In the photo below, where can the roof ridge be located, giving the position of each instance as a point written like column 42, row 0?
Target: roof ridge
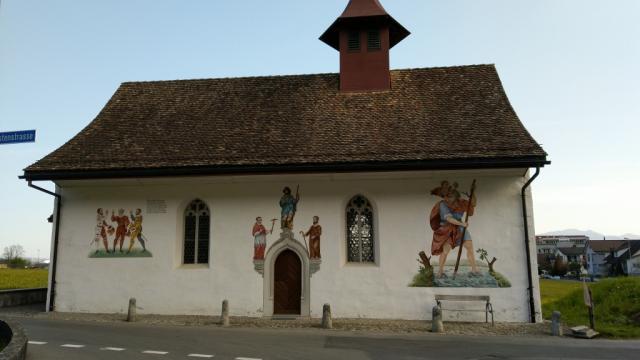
column 258, row 77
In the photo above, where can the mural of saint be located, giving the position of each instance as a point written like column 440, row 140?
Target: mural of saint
column 314, row 233
column 288, row 204
column 259, row 233
column 449, row 219
column 448, row 226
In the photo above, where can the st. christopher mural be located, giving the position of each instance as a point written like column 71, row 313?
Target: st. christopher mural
column 450, row 222
column 111, row 232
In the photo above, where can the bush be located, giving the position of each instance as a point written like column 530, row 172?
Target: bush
column 18, row 263
column 424, row 278
column 503, row 282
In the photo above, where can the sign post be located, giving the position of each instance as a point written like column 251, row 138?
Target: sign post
column 15, row 137
column 588, row 300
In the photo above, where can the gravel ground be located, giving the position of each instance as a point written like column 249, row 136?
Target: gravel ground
column 364, row 325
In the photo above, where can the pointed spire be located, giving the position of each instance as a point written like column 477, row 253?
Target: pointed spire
column 360, row 8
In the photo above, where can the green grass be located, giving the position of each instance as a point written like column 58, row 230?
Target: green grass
column 135, row 253
column 617, row 303
column 23, row 278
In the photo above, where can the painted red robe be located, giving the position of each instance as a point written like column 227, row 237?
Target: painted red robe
column 447, row 232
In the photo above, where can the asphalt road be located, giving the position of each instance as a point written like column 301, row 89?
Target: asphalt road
column 67, row 340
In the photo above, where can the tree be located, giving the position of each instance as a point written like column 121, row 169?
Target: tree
column 574, row 268
column 13, row 252
column 559, row 267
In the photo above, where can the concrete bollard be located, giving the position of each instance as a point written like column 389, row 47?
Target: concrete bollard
column 556, row 324
column 327, row 323
column 436, row 320
column 131, row 315
column 224, row 317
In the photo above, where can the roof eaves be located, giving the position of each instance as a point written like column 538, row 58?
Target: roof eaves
column 449, row 164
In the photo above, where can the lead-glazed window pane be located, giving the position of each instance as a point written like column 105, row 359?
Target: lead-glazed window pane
column 196, row 233
column 360, row 231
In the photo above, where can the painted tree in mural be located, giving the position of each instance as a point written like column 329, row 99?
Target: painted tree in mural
column 484, row 255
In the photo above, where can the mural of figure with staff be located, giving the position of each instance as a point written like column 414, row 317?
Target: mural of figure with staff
column 288, row 204
column 449, row 228
column 259, row 233
column 314, row 233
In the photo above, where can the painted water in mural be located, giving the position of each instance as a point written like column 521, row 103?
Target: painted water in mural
column 450, row 222
column 111, row 232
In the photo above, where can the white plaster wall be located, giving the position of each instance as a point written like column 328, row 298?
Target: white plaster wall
column 162, row 285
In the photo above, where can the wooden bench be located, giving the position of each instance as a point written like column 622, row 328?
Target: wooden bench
column 488, row 308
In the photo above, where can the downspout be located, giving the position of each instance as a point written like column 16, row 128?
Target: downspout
column 532, row 306
column 54, row 261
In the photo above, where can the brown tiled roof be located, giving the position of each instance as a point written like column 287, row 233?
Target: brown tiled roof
column 455, row 117
column 605, row 245
column 572, row 251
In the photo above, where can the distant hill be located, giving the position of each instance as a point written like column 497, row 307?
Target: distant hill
column 593, row 235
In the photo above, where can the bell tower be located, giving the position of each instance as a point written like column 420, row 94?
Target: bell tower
column 363, row 35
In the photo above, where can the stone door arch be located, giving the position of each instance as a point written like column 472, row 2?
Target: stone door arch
column 287, row 246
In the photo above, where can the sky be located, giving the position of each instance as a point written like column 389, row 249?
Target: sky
column 570, row 69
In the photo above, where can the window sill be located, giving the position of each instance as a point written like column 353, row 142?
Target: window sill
column 193, row 266
column 361, row 264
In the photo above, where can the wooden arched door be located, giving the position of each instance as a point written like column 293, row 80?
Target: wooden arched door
column 287, row 284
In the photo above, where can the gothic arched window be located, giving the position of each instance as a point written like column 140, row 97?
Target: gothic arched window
column 196, row 233
column 360, row 240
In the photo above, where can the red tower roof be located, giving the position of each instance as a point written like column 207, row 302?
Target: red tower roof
column 364, row 11
column 358, row 8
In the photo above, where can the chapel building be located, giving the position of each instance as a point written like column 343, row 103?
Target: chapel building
column 283, row 193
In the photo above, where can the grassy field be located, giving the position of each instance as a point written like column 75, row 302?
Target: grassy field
column 23, row 278
column 617, row 304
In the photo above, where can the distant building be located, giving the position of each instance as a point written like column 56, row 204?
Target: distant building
column 624, row 260
column 595, row 253
column 571, row 254
column 549, row 244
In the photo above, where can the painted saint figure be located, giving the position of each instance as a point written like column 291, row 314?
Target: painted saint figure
column 314, row 238
column 135, row 230
column 447, row 224
column 259, row 233
column 101, row 230
column 121, row 231
column 289, row 205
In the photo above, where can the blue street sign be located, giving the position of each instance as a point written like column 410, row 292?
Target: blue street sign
column 14, row 137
